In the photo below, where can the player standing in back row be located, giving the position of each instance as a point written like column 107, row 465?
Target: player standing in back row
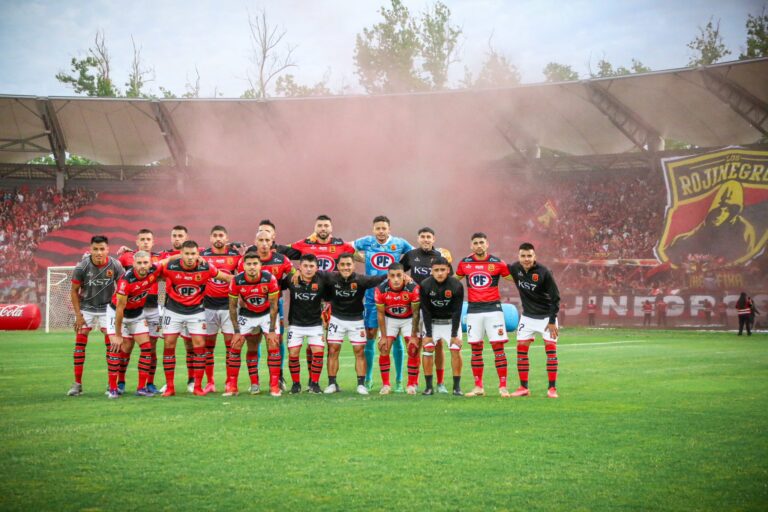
column 541, row 303
column 484, row 314
column 379, row 252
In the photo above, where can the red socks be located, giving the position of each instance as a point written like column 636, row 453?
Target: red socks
column 501, row 363
column 551, row 350
column 477, row 363
column 252, row 361
column 384, row 364
column 81, row 340
column 317, row 366
column 523, row 364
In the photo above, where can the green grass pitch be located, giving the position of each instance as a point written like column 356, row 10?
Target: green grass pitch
column 647, row 420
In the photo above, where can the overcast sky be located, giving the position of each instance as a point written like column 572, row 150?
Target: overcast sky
column 39, row 38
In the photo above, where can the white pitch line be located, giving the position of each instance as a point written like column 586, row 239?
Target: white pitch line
column 603, row 343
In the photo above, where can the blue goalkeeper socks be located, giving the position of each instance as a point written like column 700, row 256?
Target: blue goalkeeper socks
column 370, row 352
column 398, row 351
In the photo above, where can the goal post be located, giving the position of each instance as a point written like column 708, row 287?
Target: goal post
column 58, row 306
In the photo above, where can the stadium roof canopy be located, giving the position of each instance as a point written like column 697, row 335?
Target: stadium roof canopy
column 716, row 105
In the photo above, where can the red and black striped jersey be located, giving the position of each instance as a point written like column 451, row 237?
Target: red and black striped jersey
column 397, row 303
column 184, row 287
column 276, row 264
column 136, row 289
column 126, row 260
column 482, row 282
column 217, row 291
column 254, row 294
column 327, row 253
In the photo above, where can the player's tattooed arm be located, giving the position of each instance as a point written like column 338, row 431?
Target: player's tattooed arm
column 415, row 307
column 116, row 340
column 273, row 310
column 224, row 276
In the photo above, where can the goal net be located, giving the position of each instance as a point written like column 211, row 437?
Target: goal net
column 58, row 305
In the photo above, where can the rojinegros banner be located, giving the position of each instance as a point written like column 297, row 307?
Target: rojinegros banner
column 717, row 205
column 631, row 306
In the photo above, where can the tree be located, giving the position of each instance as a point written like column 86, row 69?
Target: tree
column 92, row 74
column 605, row 69
column 268, row 58
column 438, row 43
column 757, row 36
column 556, row 72
column 138, row 75
column 287, row 86
column 497, row 71
column 708, row 46
column 385, row 54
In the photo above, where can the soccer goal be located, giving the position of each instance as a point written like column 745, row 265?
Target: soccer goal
column 58, row 306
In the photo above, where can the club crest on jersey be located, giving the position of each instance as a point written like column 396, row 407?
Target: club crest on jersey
column 393, row 247
column 406, row 296
column 314, row 287
column 491, row 267
column 382, row 260
column 535, row 277
column 448, row 294
column 230, row 261
column 264, row 289
column 198, row 277
column 353, row 286
column 151, row 278
column 501, row 332
column 480, row 279
column 110, row 273
column 333, row 249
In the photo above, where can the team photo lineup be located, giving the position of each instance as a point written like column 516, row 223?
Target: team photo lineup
column 407, row 305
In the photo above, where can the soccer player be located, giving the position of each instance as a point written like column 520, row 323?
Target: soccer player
column 258, row 291
column 541, row 302
column 647, row 313
column 441, row 301
column 93, row 283
column 397, row 308
column 305, row 320
column 327, row 249
column 419, row 262
column 185, row 281
column 379, row 252
column 591, row 311
column 346, row 293
column 179, row 235
column 278, row 265
column 484, row 315
column 127, row 322
column 145, row 241
column 216, row 300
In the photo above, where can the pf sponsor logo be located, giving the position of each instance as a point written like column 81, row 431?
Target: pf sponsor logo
column 480, row 280
column 325, row 263
column 188, row 290
column 382, row 260
column 397, row 310
column 255, row 300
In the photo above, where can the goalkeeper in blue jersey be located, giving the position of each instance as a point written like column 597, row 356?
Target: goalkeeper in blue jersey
column 379, row 251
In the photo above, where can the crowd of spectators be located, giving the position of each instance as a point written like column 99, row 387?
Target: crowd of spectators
column 26, row 216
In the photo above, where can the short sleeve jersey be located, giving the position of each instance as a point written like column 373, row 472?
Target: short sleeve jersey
column 136, row 289
column 217, row 290
column 184, row 287
column 379, row 256
column 254, row 294
column 97, row 284
column 482, row 282
column 276, row 264
column 126, row 260
column 397, row 303
column 327, row 253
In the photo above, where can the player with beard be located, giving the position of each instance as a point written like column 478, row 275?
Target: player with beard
column 379, row 251
column 419, row 263
column 541, row 303
column 216, row 301
column 93, row 284
column 186, row 280
column 485, row 317
column 145, row 241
